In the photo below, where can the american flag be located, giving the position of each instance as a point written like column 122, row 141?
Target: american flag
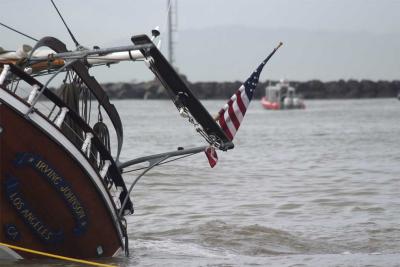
column 211, row 156
column 231, row 115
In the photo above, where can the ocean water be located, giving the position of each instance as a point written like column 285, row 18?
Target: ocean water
column 314, row 187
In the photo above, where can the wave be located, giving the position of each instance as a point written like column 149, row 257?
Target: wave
column 250, row 240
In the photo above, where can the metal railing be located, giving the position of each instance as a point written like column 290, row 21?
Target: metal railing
column 102, row 160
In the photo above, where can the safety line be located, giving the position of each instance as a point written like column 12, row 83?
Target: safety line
column 55, row 256
column 14, row 30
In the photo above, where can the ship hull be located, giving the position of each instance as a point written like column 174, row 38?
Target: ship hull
column 270, row 104
column 278, row 106
column 51, row 198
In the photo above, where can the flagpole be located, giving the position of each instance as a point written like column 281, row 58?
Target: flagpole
column 216, row 117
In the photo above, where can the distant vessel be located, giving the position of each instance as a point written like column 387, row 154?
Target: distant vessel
column 281, row 96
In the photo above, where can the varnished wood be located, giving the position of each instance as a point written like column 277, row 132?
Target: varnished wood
column 20, row 135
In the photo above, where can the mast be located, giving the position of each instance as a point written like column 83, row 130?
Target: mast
column 172, row 9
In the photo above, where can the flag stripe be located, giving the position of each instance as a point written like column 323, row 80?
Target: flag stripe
column 245, row 99
column 233, row 118
column 240, row 103
column 211, row 156
column 229, row 124
column 225, row 127
column 238, row 112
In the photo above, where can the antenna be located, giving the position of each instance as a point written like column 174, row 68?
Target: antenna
column 65, row 24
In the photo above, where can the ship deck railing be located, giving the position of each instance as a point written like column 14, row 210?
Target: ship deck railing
column 55, row 111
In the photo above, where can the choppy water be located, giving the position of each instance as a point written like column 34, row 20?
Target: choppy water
column 314, row 187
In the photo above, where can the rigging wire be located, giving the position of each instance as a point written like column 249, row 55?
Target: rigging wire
column 65, row 24
column 14, row 30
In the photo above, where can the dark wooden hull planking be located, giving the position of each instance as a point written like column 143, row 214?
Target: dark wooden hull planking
column 48, row 201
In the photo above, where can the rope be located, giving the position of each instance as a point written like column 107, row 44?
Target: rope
column 86, row 103
column 55, row 256
column 70, row 95
column 101, row 131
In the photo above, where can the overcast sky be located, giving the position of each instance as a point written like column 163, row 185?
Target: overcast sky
column 324, row 23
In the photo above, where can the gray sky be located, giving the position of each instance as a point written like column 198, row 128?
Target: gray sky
column 226, row 39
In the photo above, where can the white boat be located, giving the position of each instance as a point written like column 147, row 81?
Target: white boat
column 281, row 96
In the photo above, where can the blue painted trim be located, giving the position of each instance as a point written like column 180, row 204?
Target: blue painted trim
column 28, row 214
column 61, row 185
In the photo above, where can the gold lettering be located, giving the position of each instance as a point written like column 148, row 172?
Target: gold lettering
column 35, row 226
column 40, row 228
column 47, row 170
column 73, row 201
column 12, row 231
column 17, row 202
column 38, row 164
column 68, row 194
column 41, row 166
column 54, row 178
column 48, row 236
column 81, row 214
column 32, row 220
column 64, row 188
column 43, row 233
column 76, row 206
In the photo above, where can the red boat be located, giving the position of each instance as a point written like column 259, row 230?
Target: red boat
column 270, row 104
column 281, row 96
